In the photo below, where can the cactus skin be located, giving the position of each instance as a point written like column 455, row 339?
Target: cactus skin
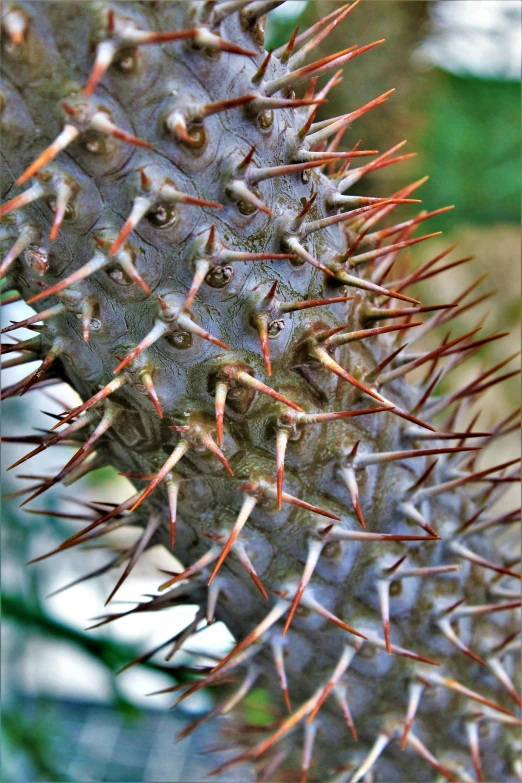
column 141, row 135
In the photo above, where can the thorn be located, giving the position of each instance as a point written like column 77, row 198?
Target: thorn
column 423, row 751
column 344, row 121
column 448, row 485
column 180, row 450
column 378, row 747
column 344, row 662
column 348, row 474
column 290, row 46
column 281, row 443
column 447, row 682
column 467, row 554
column 260, row 174
column 341, row 339
column 310, row 733
column 15, row 23
column 275, row 614
column 245, row 163
column 380, row 162
column 317, row 225
column 340, row 694
column 377, row 313
column 202, row 562
column 502, row 676
column 139, row 209
column 202, row 38
column 146, row 379
column 358, row 535
column 290, row 307
column 317, row 68
column 27, row 236
column 415, row 692
column 150, row 528
column 44, row 366
column 277, row 651
column 248, row 506
column 262, row 328
column 312, row 30
column 295, row 246
column 158, row 330
column 379, row 458
column 371, row 254
column 444, row 624
column 105, row 53
column 367, row 285
column 315, row 548
column 301, row 503
column 238, row 190
column 208, row 109
column 244, row 378
column 173, row 485
column 257, row 77
column 473, row 738
column 312, row 45
column 32, row 194
column 101, row 123
column 64, row 138
column 406, row 368
column 241, row 553
column 383, row 588
column 70, row 430
column 326, row 360
column 221, row 396
column 111, row 387
column 212, row 599
column 97, row 262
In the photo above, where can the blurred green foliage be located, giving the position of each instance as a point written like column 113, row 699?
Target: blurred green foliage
column 471, row 141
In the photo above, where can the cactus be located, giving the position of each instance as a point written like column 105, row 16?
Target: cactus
column 205, row 279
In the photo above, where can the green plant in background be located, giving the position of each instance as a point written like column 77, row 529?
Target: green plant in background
column 234, row 315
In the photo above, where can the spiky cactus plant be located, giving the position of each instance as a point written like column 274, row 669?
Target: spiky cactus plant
column 208, row 280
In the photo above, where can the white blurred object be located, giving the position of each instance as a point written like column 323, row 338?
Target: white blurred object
column 478, row 37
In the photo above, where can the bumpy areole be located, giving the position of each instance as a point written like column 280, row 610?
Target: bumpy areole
column 222, row 306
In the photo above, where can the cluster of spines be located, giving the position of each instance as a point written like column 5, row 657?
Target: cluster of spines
column 155, row 194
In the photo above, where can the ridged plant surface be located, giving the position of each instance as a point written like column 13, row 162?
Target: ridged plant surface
column 212, row 286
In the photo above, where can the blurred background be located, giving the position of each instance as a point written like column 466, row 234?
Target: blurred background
column 455, row 66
